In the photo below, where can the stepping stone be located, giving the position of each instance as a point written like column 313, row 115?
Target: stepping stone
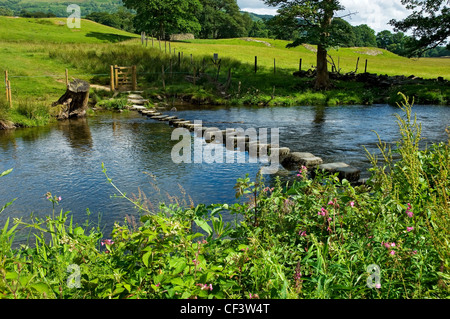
column 192, row 127
column 346, row 171
column 135, row 97
column 295, row 160
column 138, row 102
column 145, row 112
column 171, row 121
column 138, row 107
column 153, row 114
column 282, row 152
column 168, row 118
column 211, row 134
column 180, row 123
column 158, row 117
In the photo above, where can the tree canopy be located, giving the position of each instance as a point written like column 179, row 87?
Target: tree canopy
column 164, row 17
column 429, row 23
column 313, row 20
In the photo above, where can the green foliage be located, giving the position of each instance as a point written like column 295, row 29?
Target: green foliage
column 311, row 238
column 163, row 18
column 429, row 24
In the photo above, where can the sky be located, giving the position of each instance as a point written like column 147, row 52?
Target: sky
column 375, row 13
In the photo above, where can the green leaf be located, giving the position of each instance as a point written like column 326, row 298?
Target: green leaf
column 177, row 281
column 203, row 225
column 41, row 287
column 146, row 257
column 6, row 172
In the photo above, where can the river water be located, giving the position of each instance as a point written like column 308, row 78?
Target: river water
column 66, row 158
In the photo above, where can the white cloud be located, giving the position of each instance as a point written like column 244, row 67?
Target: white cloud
column 374, row 13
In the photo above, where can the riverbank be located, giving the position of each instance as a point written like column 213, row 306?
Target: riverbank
column 37, row 52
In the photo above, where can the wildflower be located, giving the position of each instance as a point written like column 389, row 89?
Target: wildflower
column 352, row 203
column 107, row 242
column 409, row 213
column 392, row 252
column 378, row 286
column 409, row 228
column 210, row 287
column 392, row 244
column 330, row 203
column 158, row 284
column 323, row 212
column 302, row 233
column 414, row 252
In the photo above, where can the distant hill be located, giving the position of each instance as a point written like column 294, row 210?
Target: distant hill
column 59, row 7
column 258, row 17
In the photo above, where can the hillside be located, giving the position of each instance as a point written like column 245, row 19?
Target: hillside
column 36, row 53
column 58, row 7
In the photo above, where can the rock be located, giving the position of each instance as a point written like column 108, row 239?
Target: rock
column 283, row 152
column 346, row 171
column 6, row 125
column 174, row 109
column 295, row 160
column 135, row 97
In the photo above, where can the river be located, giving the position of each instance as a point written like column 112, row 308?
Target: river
column 66, row 158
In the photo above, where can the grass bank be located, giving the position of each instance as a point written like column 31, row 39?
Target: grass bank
column 318, row 238
column 36, row 53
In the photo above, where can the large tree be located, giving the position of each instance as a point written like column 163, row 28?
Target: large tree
column 164, row 17
column 222, row 19
column 429, row 23
column 313, row 18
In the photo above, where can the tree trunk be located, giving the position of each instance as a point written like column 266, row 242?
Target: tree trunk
column 322, row 78
column 75, row 100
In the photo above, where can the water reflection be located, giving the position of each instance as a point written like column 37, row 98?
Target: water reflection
column 77, row 133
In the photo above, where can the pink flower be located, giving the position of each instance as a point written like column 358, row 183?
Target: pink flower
column 210, row 287
column 409, row 228
column 409, row 213
column 392, row 244
column 392, row 252
column 414, row 252
column 59, row 198
column 107, row 242
column 330, row 203
column 378, row 286
column 302, row 233
column 352, row 204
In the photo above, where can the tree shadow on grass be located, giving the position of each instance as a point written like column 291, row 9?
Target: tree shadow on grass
column 110, row 37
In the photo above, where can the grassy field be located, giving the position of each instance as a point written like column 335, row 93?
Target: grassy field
column 36, row 53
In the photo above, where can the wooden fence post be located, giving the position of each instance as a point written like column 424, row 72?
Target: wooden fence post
column 112, row 79
column 134, row 78
column 116, row 77
column 365, row 68
column 9, row 94
column 6, row 85
column 300, row 65
column 357, row 62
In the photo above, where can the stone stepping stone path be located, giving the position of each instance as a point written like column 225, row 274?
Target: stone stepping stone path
column 289, row 160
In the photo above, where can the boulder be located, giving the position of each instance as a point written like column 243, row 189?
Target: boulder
column 295, row 160
column 344, row 170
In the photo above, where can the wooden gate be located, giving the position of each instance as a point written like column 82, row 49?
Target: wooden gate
column 123, row 78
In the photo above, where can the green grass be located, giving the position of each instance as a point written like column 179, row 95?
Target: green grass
column 36, row 53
